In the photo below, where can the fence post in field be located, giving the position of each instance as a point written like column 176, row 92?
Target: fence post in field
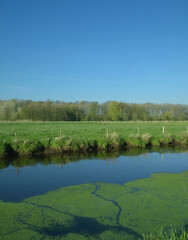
column 138, row 132
column 163, row 129
column 16, row 137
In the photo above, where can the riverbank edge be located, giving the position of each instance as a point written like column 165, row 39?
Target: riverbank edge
column 111, row 142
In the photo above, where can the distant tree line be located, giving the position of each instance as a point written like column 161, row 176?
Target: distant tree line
column 89, row 111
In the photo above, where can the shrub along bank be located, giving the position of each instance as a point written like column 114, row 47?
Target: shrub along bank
column 110, row 142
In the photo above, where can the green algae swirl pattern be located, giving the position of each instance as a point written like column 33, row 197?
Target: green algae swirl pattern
column 100, row 211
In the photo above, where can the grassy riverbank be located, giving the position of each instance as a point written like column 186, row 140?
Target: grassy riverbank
column 30, row 137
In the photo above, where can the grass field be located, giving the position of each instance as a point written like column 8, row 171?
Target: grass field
column 131, row 211
column 90, row 130
column 74, row 134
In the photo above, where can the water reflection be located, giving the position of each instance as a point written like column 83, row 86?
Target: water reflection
column 63, row 159
column 23, row 176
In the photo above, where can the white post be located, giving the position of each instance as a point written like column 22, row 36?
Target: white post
column 16, row 136
column 163, row 129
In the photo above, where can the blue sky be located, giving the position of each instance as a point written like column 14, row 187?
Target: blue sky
column 95, row 50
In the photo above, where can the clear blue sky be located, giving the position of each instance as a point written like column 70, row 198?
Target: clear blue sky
column 95, row 50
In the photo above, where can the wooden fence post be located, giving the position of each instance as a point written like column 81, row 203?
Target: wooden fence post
column 16, row 137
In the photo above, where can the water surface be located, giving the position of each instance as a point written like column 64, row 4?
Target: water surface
column 25, row 177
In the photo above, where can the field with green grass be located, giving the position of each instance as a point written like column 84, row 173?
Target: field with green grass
column 134, row 210
column 30, row 137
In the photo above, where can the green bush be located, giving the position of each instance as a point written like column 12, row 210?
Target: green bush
column 146, row 139
column 5, row 148
column 27, row 147
column 103, row 143
column 134, row 141
column 155, row 141
column 167, row 139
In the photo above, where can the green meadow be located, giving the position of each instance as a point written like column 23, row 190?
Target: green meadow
column 31, row 137
column 140, row 209
column 90, row 130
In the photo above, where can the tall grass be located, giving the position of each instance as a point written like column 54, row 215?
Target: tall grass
column 26, row 147
column 173, row 234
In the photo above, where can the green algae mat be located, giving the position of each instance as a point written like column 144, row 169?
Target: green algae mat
column 100, row 211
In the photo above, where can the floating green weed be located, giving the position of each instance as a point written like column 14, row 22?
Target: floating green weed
column 102, row 211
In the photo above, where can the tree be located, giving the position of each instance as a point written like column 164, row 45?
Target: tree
column 94, row 111
column 114, row 111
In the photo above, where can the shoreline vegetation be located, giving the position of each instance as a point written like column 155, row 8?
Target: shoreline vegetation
column 173, row 234
column 15, row 138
